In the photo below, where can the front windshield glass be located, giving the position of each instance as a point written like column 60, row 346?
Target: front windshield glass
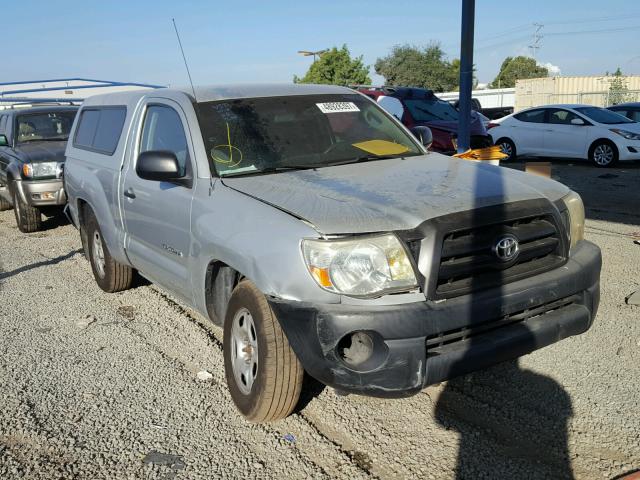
column 602, row 115
column 44, row 126
column 423, row 110
column 253, row 135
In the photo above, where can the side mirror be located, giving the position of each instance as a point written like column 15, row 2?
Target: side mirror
column 159, row 166
column 3, row 141
column 424, row 135
column 577, row 121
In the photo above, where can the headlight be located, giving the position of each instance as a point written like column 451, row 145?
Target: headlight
column 626, row 134
column 359, row 266
column 575, row 208
column 38, row 170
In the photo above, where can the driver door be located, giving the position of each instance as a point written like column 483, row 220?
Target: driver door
column 158, row 214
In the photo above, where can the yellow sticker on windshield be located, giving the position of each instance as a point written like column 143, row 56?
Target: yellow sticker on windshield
column 381, row 147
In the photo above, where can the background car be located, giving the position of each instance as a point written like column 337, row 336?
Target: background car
column 32, row 144
column 419, row 107
column 568, row 131
column 629, row 110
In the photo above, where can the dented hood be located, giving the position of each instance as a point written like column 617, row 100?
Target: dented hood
column 397, row 194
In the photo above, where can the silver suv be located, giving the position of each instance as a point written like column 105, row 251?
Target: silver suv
column 324, row 238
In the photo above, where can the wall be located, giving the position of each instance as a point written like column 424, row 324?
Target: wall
column 534, row 92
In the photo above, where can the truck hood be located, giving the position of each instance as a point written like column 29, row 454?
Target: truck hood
column 397, row 194
column 36, row 152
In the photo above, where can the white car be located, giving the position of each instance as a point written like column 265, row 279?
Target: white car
column 570, row 131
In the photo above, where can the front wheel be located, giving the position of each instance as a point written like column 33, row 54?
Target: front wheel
column 28, row 218
column 603, row 154
column 110, row 275
column 508, row 148
column 4, row 204
column 263, row 374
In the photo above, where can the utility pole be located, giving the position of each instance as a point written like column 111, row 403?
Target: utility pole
column 537, row 36
column 466, row 74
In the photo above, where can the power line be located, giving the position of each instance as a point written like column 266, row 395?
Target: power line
column 595, row 19
column 604, row 30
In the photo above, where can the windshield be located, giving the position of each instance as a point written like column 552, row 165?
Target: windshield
column 44, row 126
column 253, row 135
column 423, row 110
column 602, row 115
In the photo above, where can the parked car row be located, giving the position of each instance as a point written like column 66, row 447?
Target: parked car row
column 324, row 238
column 571, row 131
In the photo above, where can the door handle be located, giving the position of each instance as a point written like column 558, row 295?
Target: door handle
column 129, row 193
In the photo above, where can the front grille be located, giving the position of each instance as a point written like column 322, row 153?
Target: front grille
column 437, row 341
column 468, row 262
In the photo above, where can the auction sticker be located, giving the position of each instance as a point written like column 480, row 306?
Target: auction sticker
column 337, row 107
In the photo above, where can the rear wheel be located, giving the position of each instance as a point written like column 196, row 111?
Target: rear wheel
column 110, row 275
column 263, row 373
column 508, row 148
column 28, row 218
column 603, row 154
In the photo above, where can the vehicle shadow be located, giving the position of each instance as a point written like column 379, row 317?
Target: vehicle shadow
column 43, row 263
column 54, row 221
column 510, row 420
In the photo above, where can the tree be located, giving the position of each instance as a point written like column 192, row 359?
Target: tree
column 618, row 89
column 412, row 66
column 517, row 68
column 336, row 67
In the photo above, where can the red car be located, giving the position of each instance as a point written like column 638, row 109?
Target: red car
column 420, row 107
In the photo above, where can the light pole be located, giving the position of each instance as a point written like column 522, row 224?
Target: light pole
column 466, row 74
column 308, row 53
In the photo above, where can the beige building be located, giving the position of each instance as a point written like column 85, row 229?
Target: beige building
column 595, row 90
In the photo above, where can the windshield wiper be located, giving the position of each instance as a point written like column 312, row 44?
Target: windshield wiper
column 49, row 139
column 279, row 168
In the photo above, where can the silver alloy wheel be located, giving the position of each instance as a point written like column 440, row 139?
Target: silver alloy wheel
column 506, row 148
column 98, row 254
column 603, row 154
column 244, row 350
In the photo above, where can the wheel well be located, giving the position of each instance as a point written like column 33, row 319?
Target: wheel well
column 82, row 206
column 602, row 140
column 220, row 281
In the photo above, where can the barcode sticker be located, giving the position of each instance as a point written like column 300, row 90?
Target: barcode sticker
column 337, row 107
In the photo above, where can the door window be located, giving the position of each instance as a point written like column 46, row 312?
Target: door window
column 163, row 130
column 562, row 117
column 532, row 116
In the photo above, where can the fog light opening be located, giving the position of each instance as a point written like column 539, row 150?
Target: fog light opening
column 356, row 348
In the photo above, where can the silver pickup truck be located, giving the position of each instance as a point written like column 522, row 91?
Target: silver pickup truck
column 324, row 238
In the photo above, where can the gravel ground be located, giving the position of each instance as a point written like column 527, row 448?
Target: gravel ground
column 105, row 386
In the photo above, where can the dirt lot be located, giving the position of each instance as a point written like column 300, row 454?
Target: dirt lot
column 105, row 386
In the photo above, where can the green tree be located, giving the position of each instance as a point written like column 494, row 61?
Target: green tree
column 618, row 89
column 426, row 67
column 517, row 68
column 336, row 67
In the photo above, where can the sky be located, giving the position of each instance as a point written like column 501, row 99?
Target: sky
column 257, row 41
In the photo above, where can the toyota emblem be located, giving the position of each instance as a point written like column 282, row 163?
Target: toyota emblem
column 507, row 248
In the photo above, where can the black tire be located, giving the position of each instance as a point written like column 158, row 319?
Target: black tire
column 509, row 148
column 28, row 218
column 5, row 204
column 603, row 154
column 110, row 275
column 275, row 389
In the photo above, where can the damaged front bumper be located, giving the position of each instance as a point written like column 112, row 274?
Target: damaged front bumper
column 418, row 344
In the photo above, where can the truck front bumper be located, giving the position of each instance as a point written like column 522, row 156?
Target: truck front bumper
column 41, row 193
column 418, row 344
